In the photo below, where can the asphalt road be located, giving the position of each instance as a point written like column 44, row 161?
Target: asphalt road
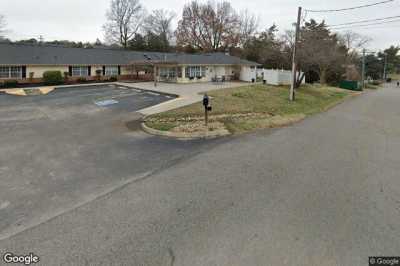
column 61, row 150
column 325, row 191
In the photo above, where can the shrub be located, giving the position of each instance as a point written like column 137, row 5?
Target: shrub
column 81, row 80
column 10, row 84
column 52, row 77
column 113, row 79
column 66, row 76
column 99, row 72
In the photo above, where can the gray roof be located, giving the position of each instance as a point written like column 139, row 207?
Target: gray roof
column 17, row 54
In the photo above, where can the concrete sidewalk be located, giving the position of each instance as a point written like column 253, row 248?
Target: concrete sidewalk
column 187, row 93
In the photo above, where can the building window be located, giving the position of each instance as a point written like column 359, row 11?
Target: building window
column 10, row 72
column 172, row 72
column 80, row 71
column 163, row 72
column 195, row 71
column 168, row 72
column 203, row 71
column 111, row 71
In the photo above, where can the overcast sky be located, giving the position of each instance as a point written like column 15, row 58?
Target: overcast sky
column 82, row 20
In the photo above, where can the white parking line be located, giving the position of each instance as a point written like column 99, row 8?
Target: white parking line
column 153, row 93
column 106, row 102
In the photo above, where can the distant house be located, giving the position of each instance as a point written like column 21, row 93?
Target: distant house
column 27, row 63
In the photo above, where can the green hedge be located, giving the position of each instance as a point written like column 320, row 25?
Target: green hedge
column 9, row 84
column 53, row 77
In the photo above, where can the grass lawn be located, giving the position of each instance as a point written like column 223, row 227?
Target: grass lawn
column 250, row 107
column 394, row 76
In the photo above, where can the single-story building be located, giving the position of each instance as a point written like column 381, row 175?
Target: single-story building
column 27, row 63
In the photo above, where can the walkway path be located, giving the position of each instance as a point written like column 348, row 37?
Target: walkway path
column 188, row 93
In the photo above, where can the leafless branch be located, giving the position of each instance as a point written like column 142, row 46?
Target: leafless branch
column 210, row 26
column 125, row 18
column 248, row 25
column 159, row 22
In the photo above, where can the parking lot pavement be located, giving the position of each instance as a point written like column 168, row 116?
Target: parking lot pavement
column 61, row 150
column 188, row 93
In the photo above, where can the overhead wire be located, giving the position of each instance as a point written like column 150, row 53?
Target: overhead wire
column 363, row 21
column 364, row 25
column 349, row 8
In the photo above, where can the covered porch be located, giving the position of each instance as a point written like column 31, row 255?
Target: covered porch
column 161, row 71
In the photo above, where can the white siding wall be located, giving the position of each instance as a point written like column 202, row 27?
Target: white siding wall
column 248, row 73
column 39, row 70
column 94, row 68
column 126, row 70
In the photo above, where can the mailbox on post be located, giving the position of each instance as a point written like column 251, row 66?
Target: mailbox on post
column 207, row 107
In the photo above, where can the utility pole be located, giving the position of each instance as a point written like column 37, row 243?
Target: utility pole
column 363, row 71
column 385, row 68
column 294, row 60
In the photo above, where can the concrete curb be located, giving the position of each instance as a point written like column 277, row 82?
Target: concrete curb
column 84, row 85
column 185, row 136
column 154, row 91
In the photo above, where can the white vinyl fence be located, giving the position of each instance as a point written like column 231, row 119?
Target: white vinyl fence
column 278, row 77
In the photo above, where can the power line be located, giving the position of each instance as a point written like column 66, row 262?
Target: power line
column 365, row 25
column 363, row 21
column 371, row 27
column 350, row 8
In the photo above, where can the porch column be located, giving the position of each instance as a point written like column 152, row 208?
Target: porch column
column 155, row 75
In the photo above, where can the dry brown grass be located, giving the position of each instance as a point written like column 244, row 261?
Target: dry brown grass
column 250, row 107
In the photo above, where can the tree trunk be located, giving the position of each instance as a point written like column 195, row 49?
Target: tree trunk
column 322, row 76
column 299, row 80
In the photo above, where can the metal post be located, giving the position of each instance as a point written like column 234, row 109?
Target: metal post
column 385, row 68
column 294, row 63
column 363, row 71
column 155, row 76
column 206, row 116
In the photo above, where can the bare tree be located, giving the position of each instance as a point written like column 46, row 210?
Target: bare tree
column 125, row 18
column 320, row 51
column 248, row 23
column 209, row 27
column 3, row 25
column 159, row 23
column 288, row 39
column 353, row 41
